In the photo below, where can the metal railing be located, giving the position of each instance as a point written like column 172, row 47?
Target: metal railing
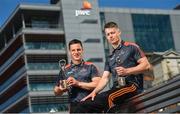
column 42, row 25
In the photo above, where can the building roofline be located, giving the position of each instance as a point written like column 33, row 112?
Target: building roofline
column 39, row 7
column 10, row 17
column 139, row 10
column 29, row 7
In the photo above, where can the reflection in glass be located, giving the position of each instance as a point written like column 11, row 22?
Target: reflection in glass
column 153, row 32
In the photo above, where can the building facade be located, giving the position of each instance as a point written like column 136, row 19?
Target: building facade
column 33, row 43
column 35, row 37
column 33, row 40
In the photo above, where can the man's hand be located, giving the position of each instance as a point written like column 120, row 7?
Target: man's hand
column 91, row 95
column 58, row 89
column 72, row 81
column 121, row 71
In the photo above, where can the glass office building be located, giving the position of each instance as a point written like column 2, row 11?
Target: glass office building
column 35, row 37
column 32, row 41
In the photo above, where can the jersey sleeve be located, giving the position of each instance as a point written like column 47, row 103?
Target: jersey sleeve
column 137, row 53
column 94, row 71
column 106, row 66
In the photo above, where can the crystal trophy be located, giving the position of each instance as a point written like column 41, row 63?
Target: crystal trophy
column 62, row 64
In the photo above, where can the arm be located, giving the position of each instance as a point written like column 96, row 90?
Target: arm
column 94, row 75
column 143, row 65
column 84, row 85
column 57, row 91
column 90, row 85
column 102, row 83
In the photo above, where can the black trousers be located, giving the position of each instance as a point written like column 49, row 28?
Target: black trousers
column 105, row 100
column 72, row 107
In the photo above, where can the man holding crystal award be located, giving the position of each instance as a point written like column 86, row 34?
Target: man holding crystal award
column 78, row 78
column 126, row 65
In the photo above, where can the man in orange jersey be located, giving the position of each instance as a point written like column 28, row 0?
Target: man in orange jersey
column 82, row 77
column 126, row 64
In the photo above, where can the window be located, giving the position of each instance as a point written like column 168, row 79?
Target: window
column 40, row 24
column 91, row 40
column 95, row 60
column 153, row 32
column 90, row 21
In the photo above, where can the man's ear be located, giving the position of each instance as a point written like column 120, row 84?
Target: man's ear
column 82, row 52
column 119, row 31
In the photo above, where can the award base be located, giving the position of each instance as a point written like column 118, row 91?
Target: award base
column 64, row 84
column 121, row 81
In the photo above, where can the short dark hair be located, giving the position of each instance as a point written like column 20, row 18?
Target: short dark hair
column 110, row 25
column 75, row 41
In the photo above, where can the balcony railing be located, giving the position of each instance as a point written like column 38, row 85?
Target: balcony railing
column 42, row 25
column 45, row 45
column 42, row 66
column 42, row 87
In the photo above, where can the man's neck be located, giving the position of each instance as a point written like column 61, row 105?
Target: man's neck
column 76, row 62
column 116, row 45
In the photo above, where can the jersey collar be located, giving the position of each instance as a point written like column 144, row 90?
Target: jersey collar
column 119, row 47
column 80, row 64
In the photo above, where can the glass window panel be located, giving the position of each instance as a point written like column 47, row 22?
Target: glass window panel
column 153, row 32
column 91, row 40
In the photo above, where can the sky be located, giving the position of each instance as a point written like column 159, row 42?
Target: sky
column 7, row 6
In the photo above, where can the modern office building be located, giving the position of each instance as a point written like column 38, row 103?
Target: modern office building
column 32, row 41
column 35, row 37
